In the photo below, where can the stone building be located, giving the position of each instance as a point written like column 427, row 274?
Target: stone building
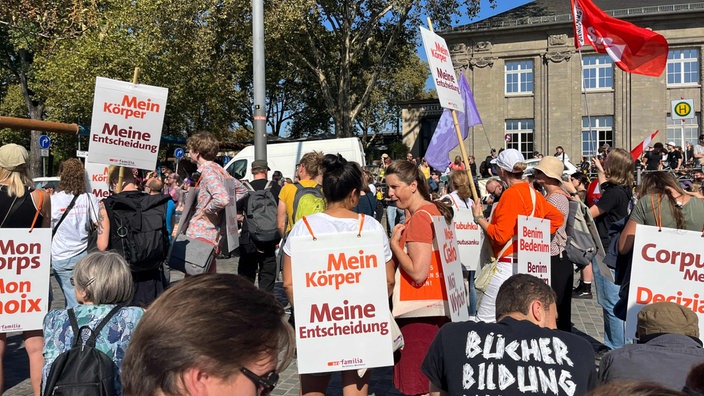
column 534, row 91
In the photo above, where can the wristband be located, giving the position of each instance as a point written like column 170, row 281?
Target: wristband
column 476, row 218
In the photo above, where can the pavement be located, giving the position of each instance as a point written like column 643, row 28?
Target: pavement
column 586, row 317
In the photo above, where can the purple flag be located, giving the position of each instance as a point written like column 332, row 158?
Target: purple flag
column 445, row 139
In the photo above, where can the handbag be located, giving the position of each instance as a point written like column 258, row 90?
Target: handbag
column 192, row 256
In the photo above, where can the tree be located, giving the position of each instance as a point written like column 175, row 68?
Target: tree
column 350, row 44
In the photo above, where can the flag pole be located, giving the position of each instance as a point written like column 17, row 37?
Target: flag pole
column 586, row 106
column 121, row 173
column 465, row 160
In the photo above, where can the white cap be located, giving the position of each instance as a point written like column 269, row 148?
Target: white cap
column 671, row 144
column 508, row 158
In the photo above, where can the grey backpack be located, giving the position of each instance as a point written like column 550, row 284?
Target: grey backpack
column 583, row 242
column 261, row 214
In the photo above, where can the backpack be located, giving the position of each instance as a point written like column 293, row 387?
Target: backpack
column 140, row 234
column 307, row 201
column 261, row 214
column 83, row 370
column 582, row 244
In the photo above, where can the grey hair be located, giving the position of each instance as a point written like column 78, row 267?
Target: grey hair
column 105, row 277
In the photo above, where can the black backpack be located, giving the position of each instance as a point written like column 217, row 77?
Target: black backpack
column 83, row 370
column 138, row 228
column 261, row 214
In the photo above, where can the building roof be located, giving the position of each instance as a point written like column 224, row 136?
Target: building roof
column 540, row 12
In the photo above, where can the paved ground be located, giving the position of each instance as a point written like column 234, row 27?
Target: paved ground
column 586, row 316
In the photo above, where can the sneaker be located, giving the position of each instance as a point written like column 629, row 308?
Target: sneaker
column 583, row 291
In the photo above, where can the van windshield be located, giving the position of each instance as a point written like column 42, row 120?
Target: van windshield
column 238, row 168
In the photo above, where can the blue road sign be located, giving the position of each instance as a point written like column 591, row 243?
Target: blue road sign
column 178, row 153
column 44, row 141
column 226, row 159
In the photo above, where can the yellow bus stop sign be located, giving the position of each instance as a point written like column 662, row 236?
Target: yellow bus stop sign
column 682, row 109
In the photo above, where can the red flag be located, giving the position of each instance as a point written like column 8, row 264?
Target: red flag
column 632, row 48
column 638, row 150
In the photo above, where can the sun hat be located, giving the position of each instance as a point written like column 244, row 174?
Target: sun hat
column 507, row 159
column 552, row 167
column 12, row 156
column 667, row 318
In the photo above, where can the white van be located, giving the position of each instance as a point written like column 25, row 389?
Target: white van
column 285, row 156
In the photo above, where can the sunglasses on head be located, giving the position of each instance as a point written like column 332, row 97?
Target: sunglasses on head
column 265, row 383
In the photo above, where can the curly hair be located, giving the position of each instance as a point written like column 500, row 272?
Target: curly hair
column 72, row 178
column 205, row 144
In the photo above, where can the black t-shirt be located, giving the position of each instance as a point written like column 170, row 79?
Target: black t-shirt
column 673, row 157
column 652, row 159
column 614, row 203
column 511, row 357
column 257, row 185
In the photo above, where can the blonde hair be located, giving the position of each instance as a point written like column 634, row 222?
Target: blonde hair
column 312, row 163
column 460, row 182
column 17, row 181
column 620, row 167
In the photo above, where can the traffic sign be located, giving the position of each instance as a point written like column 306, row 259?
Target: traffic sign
column 682, row 109
column 226, row 159
column 44, row 142
column 82, row 153
column 507, row 137
column 44, row 152
column 178, row 153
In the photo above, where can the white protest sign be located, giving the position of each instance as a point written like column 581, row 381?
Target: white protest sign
column 666, row 271
column 98, row 183
column 440, row 63
column 25, row 259
column 469, row 239
column 340, row 295
column 446, row 244
column 126, row 123
column 534, row 247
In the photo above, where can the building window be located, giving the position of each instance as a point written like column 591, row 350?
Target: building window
column 521, row 134
column 596, row 134
column 598, row 72
column 683, row 66
column 685, row 132
column 519, row 77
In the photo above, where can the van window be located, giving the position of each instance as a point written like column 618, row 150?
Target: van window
column 238, row 168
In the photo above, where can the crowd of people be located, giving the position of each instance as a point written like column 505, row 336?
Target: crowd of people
column 219, row 334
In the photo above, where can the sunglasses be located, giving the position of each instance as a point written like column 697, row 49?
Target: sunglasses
column 265, row 383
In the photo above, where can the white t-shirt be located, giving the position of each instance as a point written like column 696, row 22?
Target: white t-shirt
column 699, row 149
column 71, row 237
column 457, row 202
column 322, row 223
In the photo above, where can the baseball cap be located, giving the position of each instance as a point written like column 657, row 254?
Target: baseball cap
column 667, row 318
column 671, row 144
column 260, row 164
column 12, row 156
column 507, row 159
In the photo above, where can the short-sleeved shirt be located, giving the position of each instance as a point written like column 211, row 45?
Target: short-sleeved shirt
column 322, row 223
column 613, row 204
column 511, row 357
column 212, row 200
column 71, row 237
column 693, row 212
column 652, row 159
column 112, row 340
column 287, row 196
column 673, row 157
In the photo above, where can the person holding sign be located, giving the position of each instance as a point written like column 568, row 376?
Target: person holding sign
column 22, row 207
column 342, row 183
column 518, row 199
column 548, row 173
column 419, row 273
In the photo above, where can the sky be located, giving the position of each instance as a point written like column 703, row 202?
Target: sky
column 485, row 12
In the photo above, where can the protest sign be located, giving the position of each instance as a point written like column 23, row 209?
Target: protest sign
column 340, row 294
column 666, row 271
column 229, row 223
column 469, row 239
column 534, row 247
column 24, row 278
column 446, row 243
column 126, row 123
column 98, row 183
column 446, row 83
